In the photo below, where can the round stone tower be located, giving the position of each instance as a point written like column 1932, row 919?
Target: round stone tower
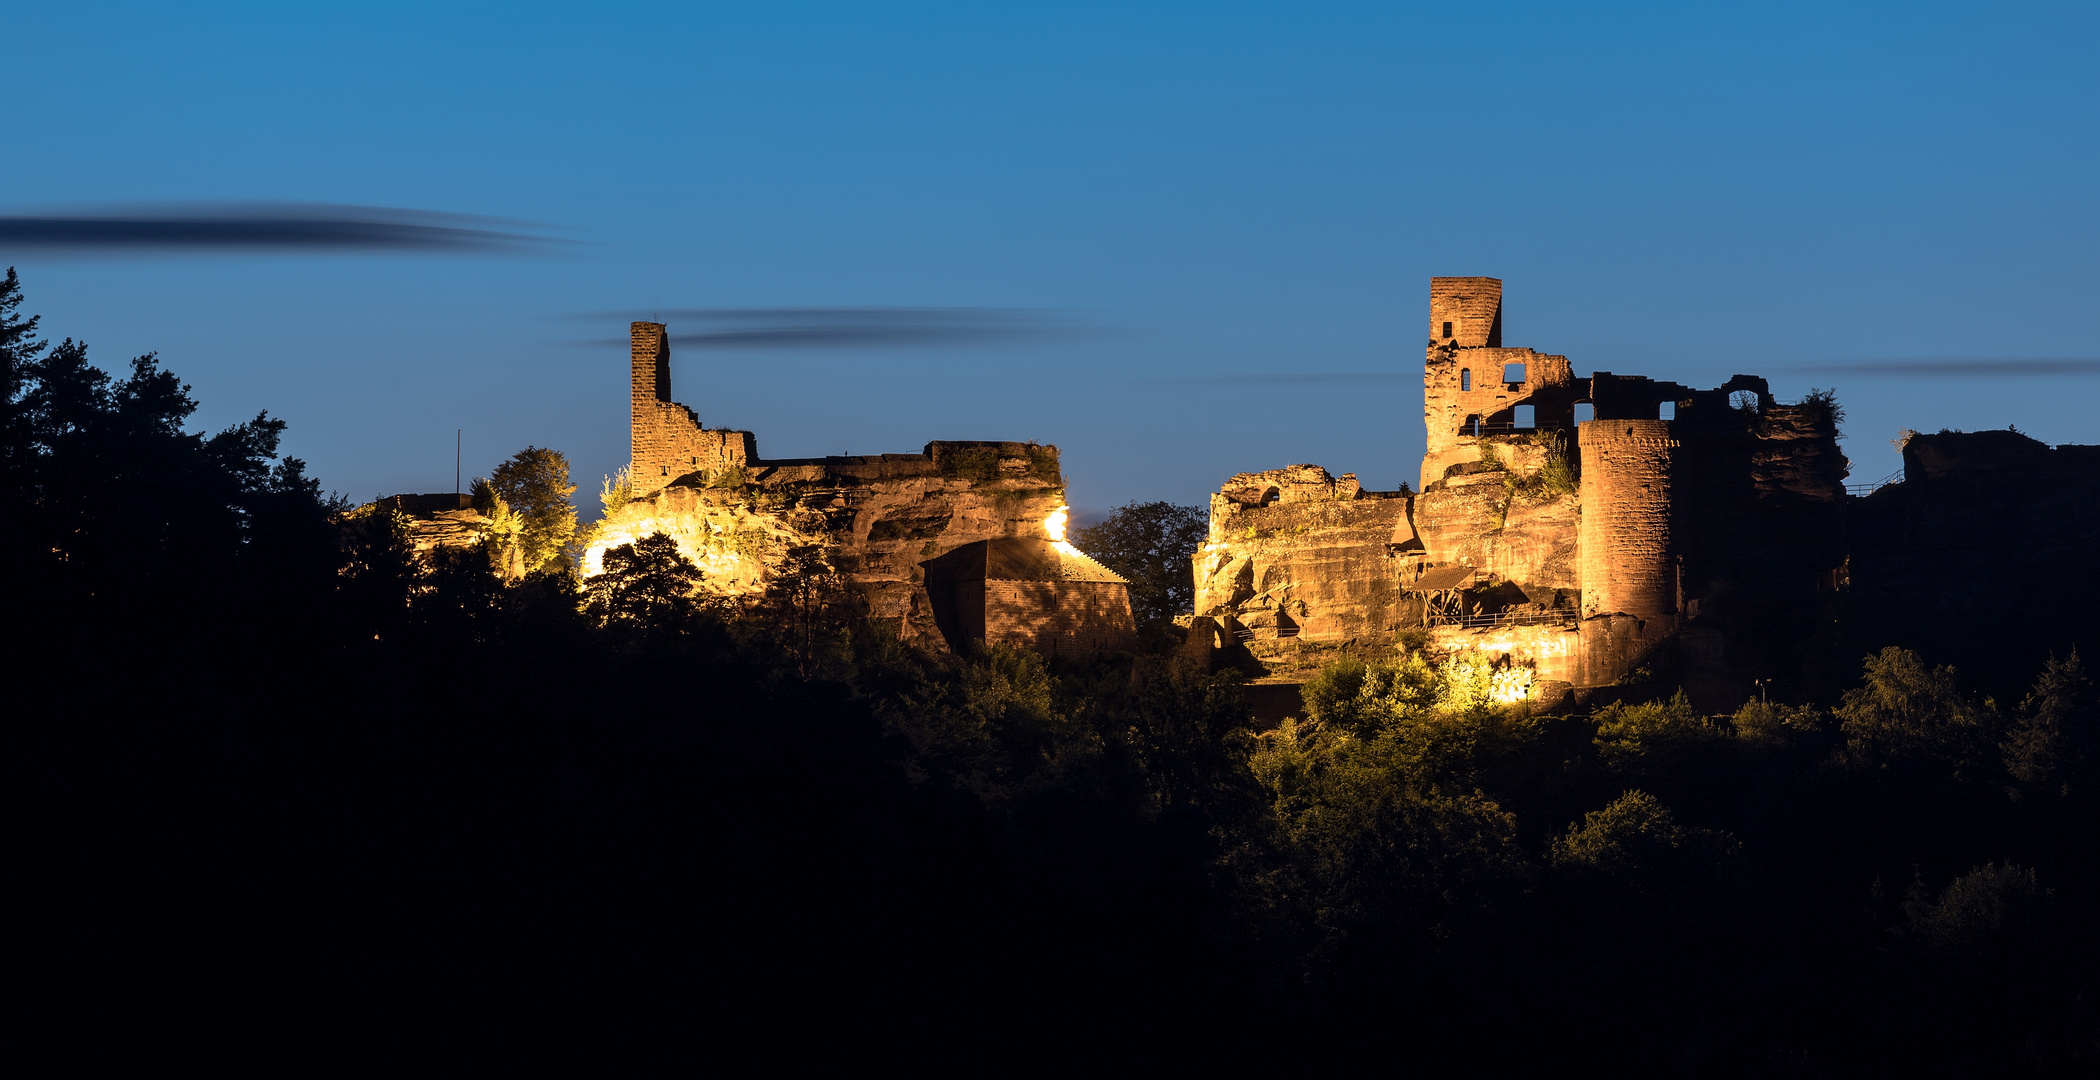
column 1624, row 539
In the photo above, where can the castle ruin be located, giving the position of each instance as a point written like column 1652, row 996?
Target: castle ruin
column 1569, row 524
column 881, row 520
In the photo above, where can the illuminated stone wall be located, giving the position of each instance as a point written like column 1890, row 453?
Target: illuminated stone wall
column 1067, row 620
column 667, row 441
column 1624, row 543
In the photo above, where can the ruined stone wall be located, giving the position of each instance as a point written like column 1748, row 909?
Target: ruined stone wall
column 1625, row 552
column 1068, row 620
column 1554, row 653
column 879, row 516
column 1549, row 386
column 666, row 440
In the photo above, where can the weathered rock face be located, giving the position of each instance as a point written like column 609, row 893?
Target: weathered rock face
column 1299, row 552
column 1493, row 517
column 437, row 521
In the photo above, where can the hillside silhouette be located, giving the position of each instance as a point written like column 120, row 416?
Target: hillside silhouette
column 296, row 799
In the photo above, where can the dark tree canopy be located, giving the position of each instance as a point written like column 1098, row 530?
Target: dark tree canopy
column 648, row 583
column 1151, row 544
column 106, row 493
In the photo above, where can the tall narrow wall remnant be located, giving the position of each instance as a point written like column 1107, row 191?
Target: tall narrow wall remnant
column 666, row 439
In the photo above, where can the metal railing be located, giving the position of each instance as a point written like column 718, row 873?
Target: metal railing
column 1552, row 617
column 1869, row 489
column 1507, row 428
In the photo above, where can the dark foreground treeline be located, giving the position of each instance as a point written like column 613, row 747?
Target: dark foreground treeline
column 289, row 802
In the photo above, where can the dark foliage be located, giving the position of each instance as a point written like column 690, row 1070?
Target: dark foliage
column 294, row 801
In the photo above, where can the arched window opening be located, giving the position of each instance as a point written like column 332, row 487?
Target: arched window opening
column 1270, row 496
column 1585, row 410
column 1527, row 417
column 1666, row 411
column 1472, row 425
column 1512, row 373
column 1745, row 400
column 1465, row 379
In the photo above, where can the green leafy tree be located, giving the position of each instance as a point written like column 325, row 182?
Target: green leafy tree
column 1637, row 841
column 1151, row 544
column 647, row 585
column 1906, row 711
column 2050, row 746
column 1989, row 902
column 1627, row 733
column 534, row 483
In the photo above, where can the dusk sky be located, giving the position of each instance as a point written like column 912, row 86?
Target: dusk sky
column 1176, row 241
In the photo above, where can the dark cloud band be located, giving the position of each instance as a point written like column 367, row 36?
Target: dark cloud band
column 1298, row 378
column 260, row 227
column 1964, row 366
column 848, row 327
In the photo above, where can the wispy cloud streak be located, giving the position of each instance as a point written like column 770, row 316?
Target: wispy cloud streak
column 850, row 327
column 1962, row 366
column 255, row 227
column 1291, row 378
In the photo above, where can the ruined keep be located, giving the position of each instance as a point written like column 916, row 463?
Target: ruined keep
column 1562, row 522
column 879, row 518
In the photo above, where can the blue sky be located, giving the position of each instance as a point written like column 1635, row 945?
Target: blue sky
column 1230, row 212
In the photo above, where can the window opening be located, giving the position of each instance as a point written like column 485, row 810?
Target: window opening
column 1526, row 416
column 1447, row 331
column 1512, row 373
column 1270, row 496
column 1585, row 410
column 1666, row 411
column 1465, row 380
column 1745, row 400
column 1473, row 425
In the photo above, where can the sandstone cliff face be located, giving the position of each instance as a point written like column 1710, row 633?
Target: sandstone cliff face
column 1491, row 517
column 878, row 516
column 1299, row 552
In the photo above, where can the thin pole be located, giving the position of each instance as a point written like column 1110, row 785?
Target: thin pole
column 459, row 442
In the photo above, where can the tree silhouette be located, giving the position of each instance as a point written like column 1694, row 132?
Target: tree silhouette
column 646, row 585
